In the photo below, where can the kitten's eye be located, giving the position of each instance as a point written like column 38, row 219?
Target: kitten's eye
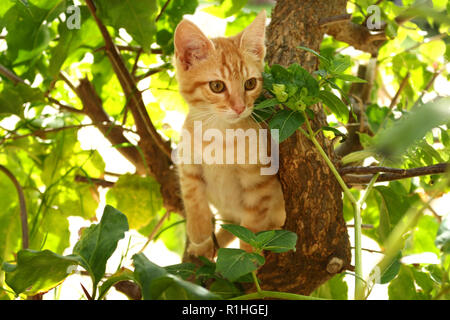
column 217, row 86
column 250, row 84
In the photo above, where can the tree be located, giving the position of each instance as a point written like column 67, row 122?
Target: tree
column 64, row 64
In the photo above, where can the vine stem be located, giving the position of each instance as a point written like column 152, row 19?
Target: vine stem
column 255, row 279
column 22, row 205
column 274, row 294
column 359, row 282
column 261, row 294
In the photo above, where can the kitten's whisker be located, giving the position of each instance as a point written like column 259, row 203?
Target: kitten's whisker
column 259, row 125
column 259, row 117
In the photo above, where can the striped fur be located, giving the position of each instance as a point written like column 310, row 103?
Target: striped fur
column 238, row 191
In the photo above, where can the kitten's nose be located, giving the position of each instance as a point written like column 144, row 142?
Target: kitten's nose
column 238, row 108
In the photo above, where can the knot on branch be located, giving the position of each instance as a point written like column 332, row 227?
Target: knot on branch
column 335, row 265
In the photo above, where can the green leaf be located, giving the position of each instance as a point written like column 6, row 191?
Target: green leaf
column 241, row 232
column 99, row 241
column 136, row 17
column 226, row 8
column 235, row 263
column 335, row 104
column 182, row 270
column 27, row 39
column 422, row 238
column 339, row 65
column 357, row 156
column 393, row 206
column 157, row 283
column 324, row 60
column 394, row 141
column 336, row 132
column 443, row 235
column 287, row 122
column 241, row 21
column 13, row 98
column 121, row 275
column 276, row 240
column 402, row 287
column 38, row 271
column 423, row 280
column 350, row 78
column 392, row 270
column 334, row 289
column 138, row 197
column 376, row 116
column 224, row 288
column 74, row 42
column 266, row 104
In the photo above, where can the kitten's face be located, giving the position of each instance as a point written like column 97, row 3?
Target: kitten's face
column 221, row 77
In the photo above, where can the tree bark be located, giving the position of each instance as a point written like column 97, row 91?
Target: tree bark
column 312, row 194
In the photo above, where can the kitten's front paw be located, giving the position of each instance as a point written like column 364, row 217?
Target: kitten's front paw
column 205, row 248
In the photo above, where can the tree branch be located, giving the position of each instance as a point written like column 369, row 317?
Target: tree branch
column 357, row 36
column 137, row 107
column 162, row 10
column 93, row 107
column 96, row 181
column 65, row 107
column 22, row 204
column 10, row 75
column 152, row 71
column 357, row 175
column 42, row 132
column 399, row 91
column 132, row 48
column 157, row 152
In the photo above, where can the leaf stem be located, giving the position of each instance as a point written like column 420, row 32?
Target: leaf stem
column 255, row 279
column 22, row 205
column 274, row 294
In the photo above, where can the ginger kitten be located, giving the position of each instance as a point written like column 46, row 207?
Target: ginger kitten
column 220, row 80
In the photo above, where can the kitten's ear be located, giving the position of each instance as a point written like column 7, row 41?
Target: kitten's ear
column 191, row 44
column 252, row 38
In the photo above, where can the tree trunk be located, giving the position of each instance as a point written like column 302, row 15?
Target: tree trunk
column 312, row 194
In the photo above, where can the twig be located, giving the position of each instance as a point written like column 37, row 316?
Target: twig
column 155, row 230
column 88, row 296
column 437, row 168
column 370, row 250
column 43, row 132
column 10, row 75
column 399, row 91
column 363, row 226
column 128, row 85
column 162, row 10
column 152, row 71
column 392, row 173
column 138, row 55
column 92, row 104
column 63, row 77
column 98, row 182
column 131, row 48
column 65, row 107
column 428, row 86
column 22, row 204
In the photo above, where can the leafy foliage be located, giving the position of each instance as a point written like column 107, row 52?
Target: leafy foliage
column 39, row 271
